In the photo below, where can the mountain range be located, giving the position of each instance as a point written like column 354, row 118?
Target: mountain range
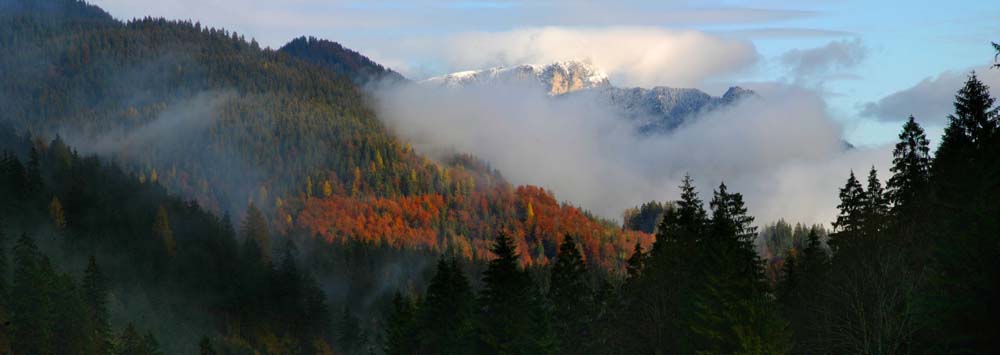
column 653, row 110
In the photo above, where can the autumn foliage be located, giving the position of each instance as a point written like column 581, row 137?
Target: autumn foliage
column 462, row 223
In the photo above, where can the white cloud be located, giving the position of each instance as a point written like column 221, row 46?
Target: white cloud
column 783, row 152
column 632, row 56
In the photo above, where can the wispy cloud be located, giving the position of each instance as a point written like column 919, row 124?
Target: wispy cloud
column 828, row 61
column 787, row 33
column 275, row 22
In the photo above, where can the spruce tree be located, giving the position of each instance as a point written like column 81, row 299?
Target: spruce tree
column 876, row 210
column 31, row 303
column 132, row 343
column 447, row 312
column 965, row 188
column 850, row 222
column 401, row 327
column 661, row 303
column 512, row 318
column 910, row 168
column 349, row 336
column 256, row 237
column 71, row 327
column 34, row 173
column 789, row 281
column 687, row 222
column 974, row 111
column 95, row 296
column 735, row 308
column 572, row 299
column 731, row 239
column 205, row 346
column 815, row 260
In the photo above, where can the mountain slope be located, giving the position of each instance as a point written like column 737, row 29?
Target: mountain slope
column 217, row 119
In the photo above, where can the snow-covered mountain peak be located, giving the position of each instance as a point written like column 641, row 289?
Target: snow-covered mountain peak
column 556, row 78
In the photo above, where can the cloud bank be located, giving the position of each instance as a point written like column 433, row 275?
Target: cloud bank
column 930, row 100
column 633, row 56
column 782, row 151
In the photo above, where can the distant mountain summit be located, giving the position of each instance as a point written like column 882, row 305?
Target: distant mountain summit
column 557, row 78
column 663, row 108
column 657, row 109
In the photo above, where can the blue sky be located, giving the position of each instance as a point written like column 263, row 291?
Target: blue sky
column 855, row 53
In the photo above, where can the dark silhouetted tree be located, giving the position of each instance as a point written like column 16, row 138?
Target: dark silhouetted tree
column 572, row 300
column 512, row 318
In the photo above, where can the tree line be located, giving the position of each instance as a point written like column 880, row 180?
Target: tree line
column 910, row 267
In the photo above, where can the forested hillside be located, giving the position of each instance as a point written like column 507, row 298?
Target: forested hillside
column 164, row 264
column 215, row 118
column 340, row 60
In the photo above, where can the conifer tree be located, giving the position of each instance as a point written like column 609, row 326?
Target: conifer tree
column 401, row 328
column 910, row 168
column 850, row 224
column 512, row 317
column 572, row 299
column 132, row 343
column 205, row 346
column 34, row 173
column 349, row 335
column 687, row 222
column 71, row 328
column 735, row 309
column 447, row 312
column 965, row 188
column 256, row 234
column 95, row 296
column 662, row 303
column 789, row 282
column 317, row 311
column 815, row 260
column 31, row 304
column 876, row 210
column 731, row 238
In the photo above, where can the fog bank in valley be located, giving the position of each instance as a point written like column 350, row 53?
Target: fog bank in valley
column 781, row 149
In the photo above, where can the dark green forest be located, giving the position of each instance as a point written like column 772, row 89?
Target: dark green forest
column 154, row 176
